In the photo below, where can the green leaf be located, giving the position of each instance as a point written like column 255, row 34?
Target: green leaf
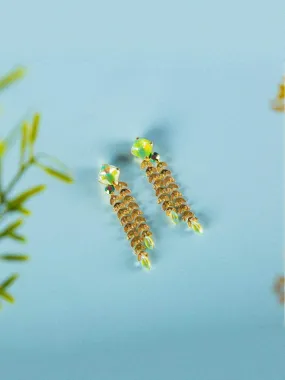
column 6, row 296
column 61, row 176
column 23, row 197
column 24, row 140
column 2, row 148
column 54, row 167
column 14, row 257
column 9, row 281
column 18, row 237
column 23, row 211
column 12, row 77
column 11, row 227
column 35, row 128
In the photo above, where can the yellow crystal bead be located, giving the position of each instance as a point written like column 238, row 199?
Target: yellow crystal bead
column 148, row 242
column 145, row 262
column 172, row 214
column 196, row 226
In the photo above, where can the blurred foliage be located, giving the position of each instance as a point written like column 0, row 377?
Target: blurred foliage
column 278, row 104
column 11, row 77
column 279, row 289
column 9, row 206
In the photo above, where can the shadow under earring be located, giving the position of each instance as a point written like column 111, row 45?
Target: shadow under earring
column 128, row 211
column 165, row 186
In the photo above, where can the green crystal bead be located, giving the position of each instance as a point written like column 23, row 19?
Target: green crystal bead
column 146, row 262
column 174, row 217
column 154, row 157
column 197, row 227
column 148, row 242
column 109, row 189
column 109, row 175
column 142, row 148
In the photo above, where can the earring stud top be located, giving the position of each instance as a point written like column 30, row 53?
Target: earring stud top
column 109, row 175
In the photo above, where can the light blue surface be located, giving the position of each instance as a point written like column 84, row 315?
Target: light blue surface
column 198, row 77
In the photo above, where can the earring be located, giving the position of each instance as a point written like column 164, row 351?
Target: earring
column 166, row 189
column 128, row 211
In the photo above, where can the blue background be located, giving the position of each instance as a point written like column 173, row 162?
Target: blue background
column 197, row 78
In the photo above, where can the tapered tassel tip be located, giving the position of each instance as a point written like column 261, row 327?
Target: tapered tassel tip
column 146, row 262
column 196, row 227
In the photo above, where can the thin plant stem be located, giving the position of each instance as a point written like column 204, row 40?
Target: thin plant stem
column 17, row 177
column 1, row 162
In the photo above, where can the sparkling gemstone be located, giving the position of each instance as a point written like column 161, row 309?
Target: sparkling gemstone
column 109, row 189
column 142, row 148
column 154, row 156
column 109, row 175
column 145, row 262
column 148, row 242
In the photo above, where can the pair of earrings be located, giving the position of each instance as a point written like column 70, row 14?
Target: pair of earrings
column 127, row 209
